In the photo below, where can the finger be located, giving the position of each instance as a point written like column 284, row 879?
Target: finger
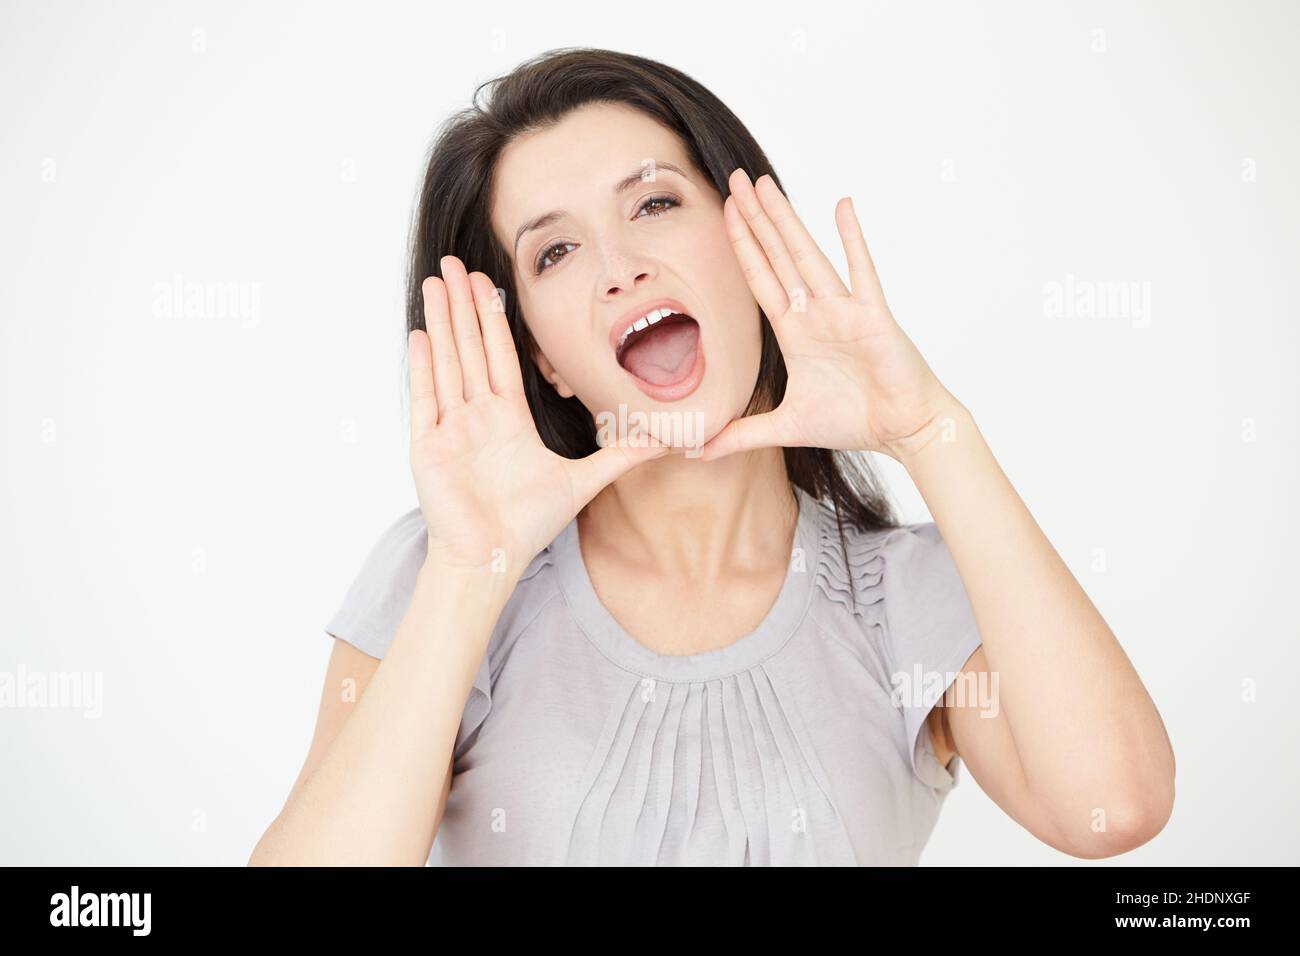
column 446, row 364
column 464, row 324
column 424, row 402
column 755, row 431
column 862, row 271
column 502, row 358
column 765, row 231
column 589, row 475
column 767, row 288
column 807, row 256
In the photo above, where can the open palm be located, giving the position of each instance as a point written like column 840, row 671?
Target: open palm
column 855, row 380
column 491, row 492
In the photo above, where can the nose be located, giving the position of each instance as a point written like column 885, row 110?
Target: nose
column 625, row 270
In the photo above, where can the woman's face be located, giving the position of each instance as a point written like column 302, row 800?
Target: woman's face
column 635, row 225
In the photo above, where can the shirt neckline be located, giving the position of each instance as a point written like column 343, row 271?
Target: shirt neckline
column 782, row 619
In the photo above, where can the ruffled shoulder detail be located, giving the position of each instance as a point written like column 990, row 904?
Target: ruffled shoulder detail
column 903, row 588
column 849, row 572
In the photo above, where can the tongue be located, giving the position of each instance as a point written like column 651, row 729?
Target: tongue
column 662, row 354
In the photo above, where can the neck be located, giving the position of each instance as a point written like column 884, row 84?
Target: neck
column 697, row 520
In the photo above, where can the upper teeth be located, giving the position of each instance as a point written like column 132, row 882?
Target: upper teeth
column 650, row 318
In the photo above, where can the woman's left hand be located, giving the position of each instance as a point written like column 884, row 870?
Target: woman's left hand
column 855, row 380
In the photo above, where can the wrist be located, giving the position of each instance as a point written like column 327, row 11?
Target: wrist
column 488, row 584
column 949, row 425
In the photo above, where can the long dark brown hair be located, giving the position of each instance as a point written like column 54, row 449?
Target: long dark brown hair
column 453, row 219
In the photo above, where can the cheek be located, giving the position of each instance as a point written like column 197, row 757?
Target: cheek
column 568, row 345
column 724, row 286
column 724, row 279
column 564, row 349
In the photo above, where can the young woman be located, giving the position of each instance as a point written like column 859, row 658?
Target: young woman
column 703, row 640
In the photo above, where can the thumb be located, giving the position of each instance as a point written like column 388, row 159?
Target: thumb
column 589, row 475
column 742, row 434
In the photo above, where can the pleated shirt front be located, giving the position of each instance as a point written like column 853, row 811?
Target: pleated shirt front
column 801, row 743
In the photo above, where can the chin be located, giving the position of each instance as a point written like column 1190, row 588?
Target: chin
column 683, row 424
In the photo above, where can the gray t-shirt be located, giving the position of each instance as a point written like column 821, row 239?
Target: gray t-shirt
column 791, row 746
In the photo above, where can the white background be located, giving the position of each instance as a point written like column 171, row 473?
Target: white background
column 186, row 498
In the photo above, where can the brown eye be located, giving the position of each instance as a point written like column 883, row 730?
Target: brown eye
column 664, row 204
column 546, row 260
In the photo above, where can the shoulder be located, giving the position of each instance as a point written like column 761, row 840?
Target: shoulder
column 925, row 608
column 381, row 589
column 398, row 553
column 402, row 540
column 896, row 591
column 863, row 569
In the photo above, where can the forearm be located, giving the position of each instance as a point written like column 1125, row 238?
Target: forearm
column 1087, row 733
column 376, row 796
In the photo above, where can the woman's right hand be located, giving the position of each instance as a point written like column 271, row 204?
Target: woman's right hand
column 492, row 494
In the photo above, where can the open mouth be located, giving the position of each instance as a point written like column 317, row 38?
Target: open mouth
column 662, row 354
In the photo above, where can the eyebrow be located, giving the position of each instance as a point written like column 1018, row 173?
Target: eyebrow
column 622, row 186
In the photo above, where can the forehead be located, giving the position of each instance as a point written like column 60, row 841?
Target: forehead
column 576, row 161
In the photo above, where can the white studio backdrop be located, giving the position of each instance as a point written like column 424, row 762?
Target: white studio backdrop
column 1083, row 214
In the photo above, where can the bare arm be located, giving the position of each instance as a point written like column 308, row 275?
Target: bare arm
column 1077, row 751
column 376, row 794
column 375, row 783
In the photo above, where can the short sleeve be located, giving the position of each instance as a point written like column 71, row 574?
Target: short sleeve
column 931, row 634
column 378, row 598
